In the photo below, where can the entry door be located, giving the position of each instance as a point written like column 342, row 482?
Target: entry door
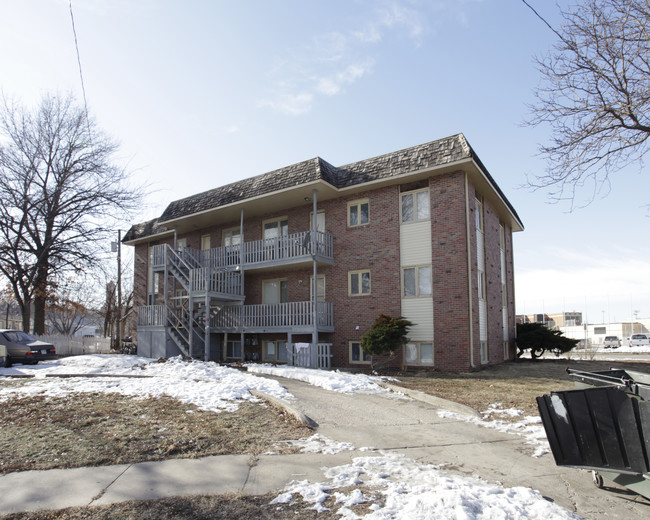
column 274, row 291
column 320, row 221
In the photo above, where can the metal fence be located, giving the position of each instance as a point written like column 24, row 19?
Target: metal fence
column 76, row 346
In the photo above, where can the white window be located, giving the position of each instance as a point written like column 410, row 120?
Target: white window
column 481, row 280
column 152, row 280
column 233, row 349
column 357, row 355
column 415, row 206
column 482, row 293
column 358, row 212
column 479, row 213
column 278, row 227
column 275, row 291
column 358, row 283
column 416, row 281
column 275, row 351
column 205, row 242
column 504, row 290
column 418, row 353
column 231, row 237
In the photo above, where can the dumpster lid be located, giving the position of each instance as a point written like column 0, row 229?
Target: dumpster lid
column 632, row 382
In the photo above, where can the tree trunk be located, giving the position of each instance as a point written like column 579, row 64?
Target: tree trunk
column 25, row 312
column 40, row 295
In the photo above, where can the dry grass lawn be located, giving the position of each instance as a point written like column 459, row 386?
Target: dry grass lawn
column 514, row 385
column 95, row 429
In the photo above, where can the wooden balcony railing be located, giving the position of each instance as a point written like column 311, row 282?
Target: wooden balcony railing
column 291, row 315
column 273, row 316
column 207, row 279
column 152, row 316
column 269, row 250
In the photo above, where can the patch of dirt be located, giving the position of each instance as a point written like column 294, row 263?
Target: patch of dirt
column 93, row 429
column 219, row 507
column 515, row 384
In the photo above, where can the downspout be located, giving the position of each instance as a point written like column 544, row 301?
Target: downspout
column 206, row 340
column 241, row 273
column 314, row 335
column 469, row 274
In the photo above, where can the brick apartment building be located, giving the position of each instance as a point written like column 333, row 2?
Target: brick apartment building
column 423, row 233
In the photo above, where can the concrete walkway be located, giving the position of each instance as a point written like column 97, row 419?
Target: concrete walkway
column 59, row 488
column 387, row 422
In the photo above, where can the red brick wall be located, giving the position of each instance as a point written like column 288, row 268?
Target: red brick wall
column 375, row 246
column 449, row 272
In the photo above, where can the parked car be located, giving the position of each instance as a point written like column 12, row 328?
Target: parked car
column 25, row 349
column 611, row 342
column 638, row 340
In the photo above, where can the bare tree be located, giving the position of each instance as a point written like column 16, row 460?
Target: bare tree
column 61, row 193
column 70, row 306
column 595, row 95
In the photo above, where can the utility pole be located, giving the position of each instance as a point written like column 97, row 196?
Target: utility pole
column 119, row 288
column 117, row 247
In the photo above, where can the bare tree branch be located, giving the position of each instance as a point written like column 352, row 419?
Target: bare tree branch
column 62, row 194
column 595, row 95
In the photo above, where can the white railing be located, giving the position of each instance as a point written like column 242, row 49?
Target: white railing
column 296, row 245
column 152, row 316
column 302, row 355
column 78, row 345
column 206, row 279
column 279, row 315
column 324, row 355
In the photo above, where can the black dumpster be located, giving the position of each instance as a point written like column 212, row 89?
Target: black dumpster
column 603, row 426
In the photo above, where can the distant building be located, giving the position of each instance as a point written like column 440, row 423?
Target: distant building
column 594, row 334
column 559, row 319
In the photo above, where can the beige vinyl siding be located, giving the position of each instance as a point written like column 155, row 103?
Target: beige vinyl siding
column 420, row 312
column 415, row 251
column 415, row 243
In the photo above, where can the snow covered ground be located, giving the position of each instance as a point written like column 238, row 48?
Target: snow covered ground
column 207, row 385
column 402, row 488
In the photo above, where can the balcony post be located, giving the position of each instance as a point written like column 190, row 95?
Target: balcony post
column 314, row 289
column 241, row 252
column 206, row 341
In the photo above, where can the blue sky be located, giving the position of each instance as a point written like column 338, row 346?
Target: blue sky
column 202, row 93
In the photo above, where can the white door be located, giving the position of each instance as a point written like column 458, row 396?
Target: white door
column 274, row 291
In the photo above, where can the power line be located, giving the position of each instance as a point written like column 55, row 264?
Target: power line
column 81, row 76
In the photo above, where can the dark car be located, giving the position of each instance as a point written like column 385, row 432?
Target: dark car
column 25, row 349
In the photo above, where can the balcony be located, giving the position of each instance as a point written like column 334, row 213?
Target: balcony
column 257, row 254
column 152, row 316
column 294, row 317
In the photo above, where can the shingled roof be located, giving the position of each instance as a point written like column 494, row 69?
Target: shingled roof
column 417, row 158
column 287, row 177
column 145, row 229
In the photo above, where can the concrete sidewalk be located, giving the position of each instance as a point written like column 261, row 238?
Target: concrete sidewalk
column 59, row 488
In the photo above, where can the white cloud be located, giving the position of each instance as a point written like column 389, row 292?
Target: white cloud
column 332, row 85
column 290, row 103
column 335, row 59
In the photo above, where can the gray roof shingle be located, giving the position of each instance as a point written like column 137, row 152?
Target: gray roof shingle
column 428, row 155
